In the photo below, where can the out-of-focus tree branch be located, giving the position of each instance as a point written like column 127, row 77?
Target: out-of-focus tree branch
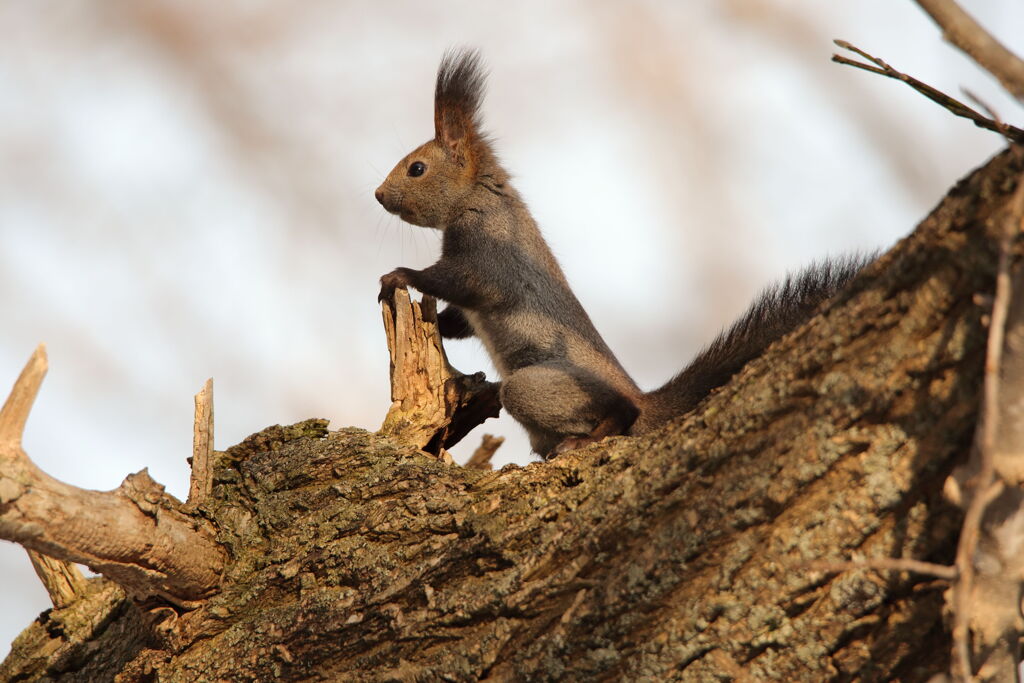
column 963, row 31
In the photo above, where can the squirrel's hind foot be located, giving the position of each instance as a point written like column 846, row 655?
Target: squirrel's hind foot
column 613, row 425
column 571, row 443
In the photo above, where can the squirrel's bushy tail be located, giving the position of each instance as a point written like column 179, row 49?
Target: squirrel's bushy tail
column 778, row 310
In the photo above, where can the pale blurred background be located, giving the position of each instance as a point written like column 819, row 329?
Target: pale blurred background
column 186, row 191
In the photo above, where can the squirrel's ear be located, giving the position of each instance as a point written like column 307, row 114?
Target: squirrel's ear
column 457, row 96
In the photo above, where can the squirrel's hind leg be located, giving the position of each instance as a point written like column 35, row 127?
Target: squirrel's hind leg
column 564, row 407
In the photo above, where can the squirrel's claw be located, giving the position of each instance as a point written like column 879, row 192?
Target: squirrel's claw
column 390, row 282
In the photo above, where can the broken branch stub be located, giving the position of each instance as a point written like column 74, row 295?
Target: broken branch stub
column 201, row 482
column 135, row 535
column 62, row 580
column 481, row 458
column 433, row 405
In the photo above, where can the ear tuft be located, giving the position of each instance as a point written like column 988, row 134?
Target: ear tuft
column 457, row 98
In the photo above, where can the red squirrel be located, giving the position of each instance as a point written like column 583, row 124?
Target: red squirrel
column 502, row 284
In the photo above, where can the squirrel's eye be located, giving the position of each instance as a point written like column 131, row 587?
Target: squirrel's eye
column 417, row 168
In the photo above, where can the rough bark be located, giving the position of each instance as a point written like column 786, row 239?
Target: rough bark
column 680, row 555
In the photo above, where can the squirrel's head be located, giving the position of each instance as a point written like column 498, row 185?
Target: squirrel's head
column 430, row 185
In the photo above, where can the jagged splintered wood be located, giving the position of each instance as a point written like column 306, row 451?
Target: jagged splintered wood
column 136, row 535
column 433, row 405
column 62, row 580
column 201, row 482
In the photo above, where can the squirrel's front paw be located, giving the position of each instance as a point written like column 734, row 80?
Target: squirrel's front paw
column 392, row 281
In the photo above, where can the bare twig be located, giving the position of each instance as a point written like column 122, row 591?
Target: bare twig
column 896, row 564
column 201, row 482
column 961, row 29
column 481, row 458
column 135, row 535
column 951, row 104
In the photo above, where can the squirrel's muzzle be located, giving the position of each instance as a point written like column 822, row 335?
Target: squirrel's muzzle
column 389, row 200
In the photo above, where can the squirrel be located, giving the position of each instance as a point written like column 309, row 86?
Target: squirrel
column 503, row 284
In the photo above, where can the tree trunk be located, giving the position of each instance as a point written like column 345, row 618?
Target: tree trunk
column 685, row 554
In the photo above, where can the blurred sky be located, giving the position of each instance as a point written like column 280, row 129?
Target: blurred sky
column 186, row 191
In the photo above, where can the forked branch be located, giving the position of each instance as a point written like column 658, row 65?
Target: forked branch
column 135, row 535
column 951, row 104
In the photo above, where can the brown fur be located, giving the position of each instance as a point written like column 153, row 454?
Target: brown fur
column 503, row 284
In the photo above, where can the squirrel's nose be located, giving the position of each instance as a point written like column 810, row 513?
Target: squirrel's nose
column 379, row 194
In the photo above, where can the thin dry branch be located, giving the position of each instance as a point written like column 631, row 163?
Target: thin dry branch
column 963, row 31
column 201, row 482
column 433, row 404
column 135, row 535
column 951, row 104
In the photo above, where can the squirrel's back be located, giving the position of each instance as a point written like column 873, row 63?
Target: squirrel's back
column 502, row 283
column 778, row 310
